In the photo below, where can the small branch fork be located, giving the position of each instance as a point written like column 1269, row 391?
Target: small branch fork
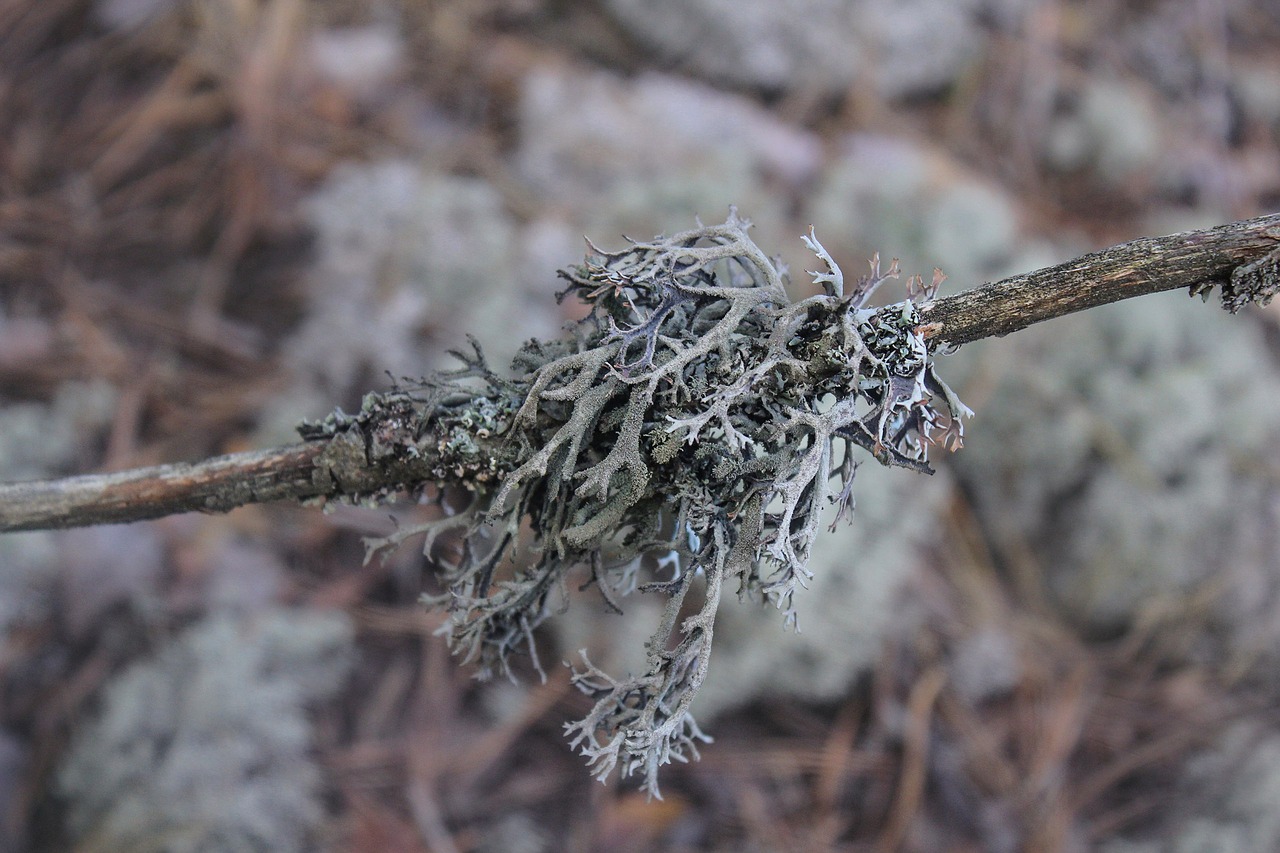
column 1241, row 260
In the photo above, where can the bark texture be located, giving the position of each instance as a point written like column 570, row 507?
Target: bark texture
column 214, row 485
column 1233, row 256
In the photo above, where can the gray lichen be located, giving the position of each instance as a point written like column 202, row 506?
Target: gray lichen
column 685, row 435
column 206, row 747
column 1139, row 484
column 855, row 603
column 1255, row 282
column 402, row 249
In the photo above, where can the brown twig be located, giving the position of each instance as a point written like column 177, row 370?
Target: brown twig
column 298, row 472
column 214, row 485
column 1196, row 260
column 1243, row 259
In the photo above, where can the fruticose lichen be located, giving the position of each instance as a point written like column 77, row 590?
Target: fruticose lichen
column 684, row 436
column 207, row 745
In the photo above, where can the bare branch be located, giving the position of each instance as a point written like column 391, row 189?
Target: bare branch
column 1197, row 260
column 214, row 485
column 298, row 472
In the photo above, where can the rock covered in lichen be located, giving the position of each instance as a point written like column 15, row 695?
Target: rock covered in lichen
column 886, row 191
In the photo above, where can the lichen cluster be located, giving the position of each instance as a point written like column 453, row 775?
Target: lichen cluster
column 684, row 436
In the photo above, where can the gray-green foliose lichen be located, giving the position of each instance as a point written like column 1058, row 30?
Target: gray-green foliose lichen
column 686, row 433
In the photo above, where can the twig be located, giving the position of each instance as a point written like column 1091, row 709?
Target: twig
column 214, row 485
column 1242, row 259
column 1236, row 256
column 298, row 472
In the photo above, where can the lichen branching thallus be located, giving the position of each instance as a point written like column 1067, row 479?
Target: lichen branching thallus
column 685, row 435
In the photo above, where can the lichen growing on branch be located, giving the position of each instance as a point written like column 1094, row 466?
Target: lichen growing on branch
column 683, row 437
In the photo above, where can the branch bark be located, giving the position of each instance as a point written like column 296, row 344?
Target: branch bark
column 214, row 485
column 1242, row 259
column 1196, row 260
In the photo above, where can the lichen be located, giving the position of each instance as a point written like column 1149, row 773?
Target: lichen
column 1255, row 282
column 206, row 746
column 685, row 435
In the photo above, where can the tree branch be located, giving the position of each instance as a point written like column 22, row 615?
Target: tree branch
column 1242, row 259
column 214, row 485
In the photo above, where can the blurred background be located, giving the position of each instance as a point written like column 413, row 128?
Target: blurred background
column 219, row 217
